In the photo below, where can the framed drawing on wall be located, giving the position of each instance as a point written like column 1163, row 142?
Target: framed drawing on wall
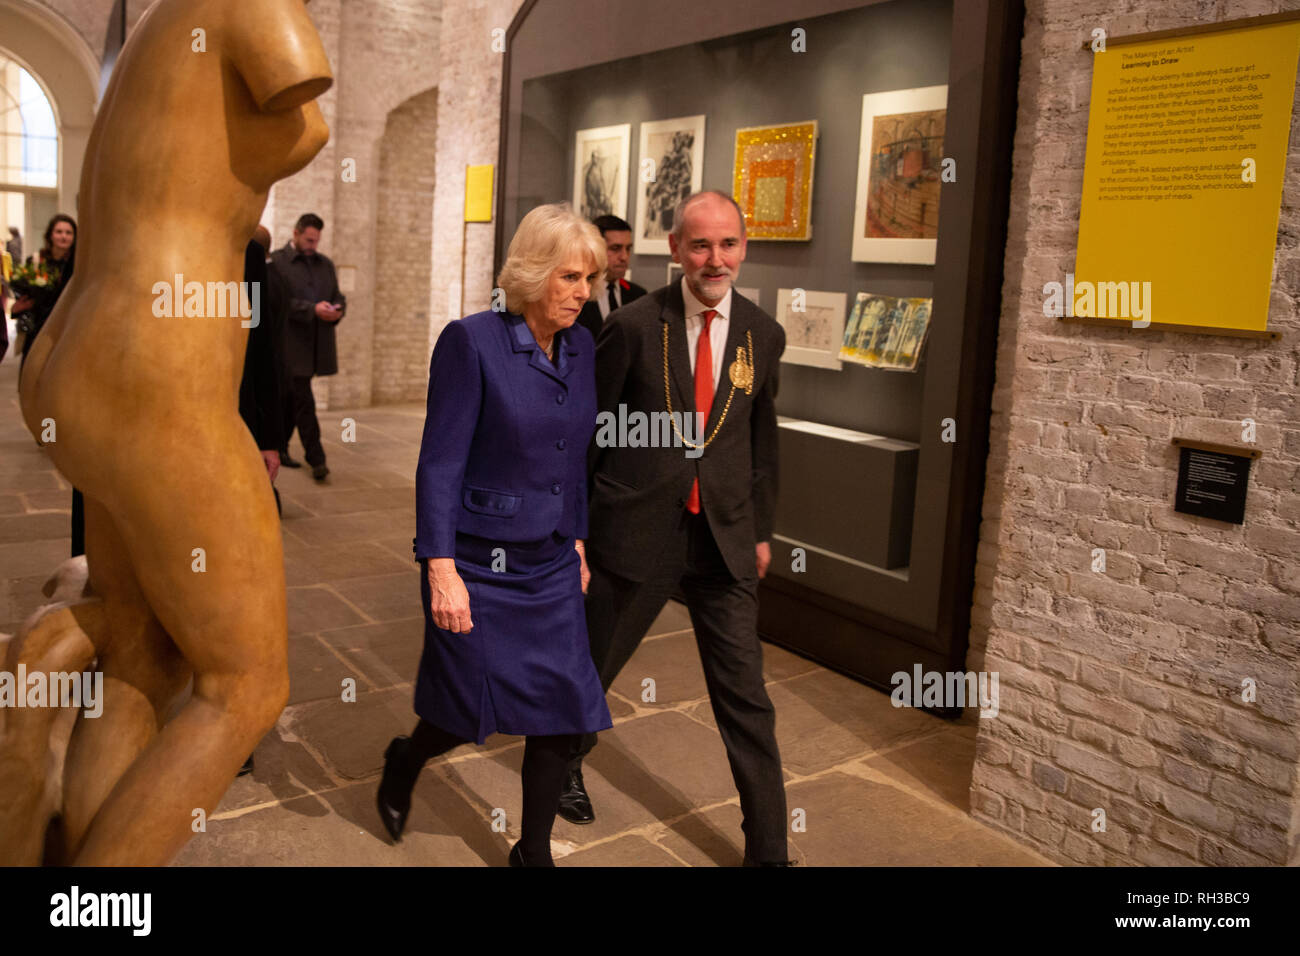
column 670, row 169
column 814, row 326
column 773, row 179
column 896, row 215
column 600, row 157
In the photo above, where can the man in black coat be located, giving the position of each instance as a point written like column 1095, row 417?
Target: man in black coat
column 698, row 516
column 618, row 291
column 314, row 307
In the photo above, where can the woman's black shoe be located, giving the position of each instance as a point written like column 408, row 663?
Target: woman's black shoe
column 517, row 858
column 394, row 797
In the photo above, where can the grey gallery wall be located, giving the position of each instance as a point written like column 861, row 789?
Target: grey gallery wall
column 757, row 79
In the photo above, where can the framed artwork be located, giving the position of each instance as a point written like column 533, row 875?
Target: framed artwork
column 773, row 179
column 674, row 273
column 886, row 332
column 896, row 215
column 600, row 158
column 814, row 326
column 670, row 169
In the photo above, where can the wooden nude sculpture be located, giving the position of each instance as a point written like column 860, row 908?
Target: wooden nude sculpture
column 211, row 102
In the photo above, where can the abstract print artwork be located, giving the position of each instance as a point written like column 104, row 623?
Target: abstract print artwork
column 773, row 179
column 886, row 332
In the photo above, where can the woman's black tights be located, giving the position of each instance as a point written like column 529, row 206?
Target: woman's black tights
column 546, row 763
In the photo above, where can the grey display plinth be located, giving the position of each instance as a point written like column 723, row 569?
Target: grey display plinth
column 848, row 493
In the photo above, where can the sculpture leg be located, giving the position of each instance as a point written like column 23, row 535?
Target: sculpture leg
column 226, row 616
column 32, row 740
column 143, row 673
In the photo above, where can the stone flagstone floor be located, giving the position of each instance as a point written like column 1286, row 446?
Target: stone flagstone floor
column 876, row 785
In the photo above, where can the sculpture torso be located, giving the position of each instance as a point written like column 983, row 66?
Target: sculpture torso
column 184, row 151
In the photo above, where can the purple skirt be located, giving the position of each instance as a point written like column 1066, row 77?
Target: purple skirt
column 525, row 668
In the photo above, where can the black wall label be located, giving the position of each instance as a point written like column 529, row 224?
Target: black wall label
column 1212, row 484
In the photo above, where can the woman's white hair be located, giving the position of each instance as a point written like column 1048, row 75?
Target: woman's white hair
column 545, row 238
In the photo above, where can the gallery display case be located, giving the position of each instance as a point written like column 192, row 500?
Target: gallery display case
column 869, row 146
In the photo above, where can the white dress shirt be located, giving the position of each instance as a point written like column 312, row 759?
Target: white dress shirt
column 695, row 310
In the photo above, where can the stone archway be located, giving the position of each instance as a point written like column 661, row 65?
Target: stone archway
column 61, row 60
column 404, row 249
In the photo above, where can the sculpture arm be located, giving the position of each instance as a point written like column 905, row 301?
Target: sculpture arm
column 278, row 52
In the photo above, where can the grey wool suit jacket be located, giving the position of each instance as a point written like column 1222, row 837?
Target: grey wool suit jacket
column 637, row 494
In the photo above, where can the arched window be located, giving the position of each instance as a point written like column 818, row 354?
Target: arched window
column 29, row 136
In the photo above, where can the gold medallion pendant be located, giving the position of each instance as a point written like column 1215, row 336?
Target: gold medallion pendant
column 742, row 376
column 742, row 372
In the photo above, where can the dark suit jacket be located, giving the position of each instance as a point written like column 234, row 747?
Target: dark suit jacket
column 260, row 390
column 504, row 453
column 638, row 494
column 589, row 318
column 309, row 341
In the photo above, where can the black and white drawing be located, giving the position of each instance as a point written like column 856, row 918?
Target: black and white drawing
column 670, row 169
column 814, row 326
column 600, row 171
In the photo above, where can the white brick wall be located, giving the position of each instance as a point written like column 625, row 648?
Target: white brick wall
column 1122, row 690
column 404, row 250
column 469, row 97
column 383, row 52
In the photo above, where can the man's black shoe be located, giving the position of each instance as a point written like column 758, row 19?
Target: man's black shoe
column 287, row 462
column 575, row 805
column 247, row 768
column 319, row 472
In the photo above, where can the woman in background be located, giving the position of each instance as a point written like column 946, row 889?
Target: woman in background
column 59, row 251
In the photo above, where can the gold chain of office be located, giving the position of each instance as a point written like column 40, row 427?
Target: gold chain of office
column 741, row 374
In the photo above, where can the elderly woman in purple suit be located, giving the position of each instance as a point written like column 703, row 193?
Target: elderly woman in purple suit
column 501, row 513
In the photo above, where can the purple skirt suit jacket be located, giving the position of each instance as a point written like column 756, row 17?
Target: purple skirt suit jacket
column 501, row 487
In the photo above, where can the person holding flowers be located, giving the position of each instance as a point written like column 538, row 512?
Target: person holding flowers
column 39, row 285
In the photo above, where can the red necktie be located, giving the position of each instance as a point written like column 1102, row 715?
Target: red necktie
column 703, row 396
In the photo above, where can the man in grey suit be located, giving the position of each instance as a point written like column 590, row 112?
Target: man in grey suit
column 697, row 516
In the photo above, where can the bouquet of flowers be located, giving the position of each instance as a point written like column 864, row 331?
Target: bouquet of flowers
column 35, row 280
column 38, row 282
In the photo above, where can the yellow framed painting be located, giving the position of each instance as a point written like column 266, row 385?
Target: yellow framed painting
column 773, row 180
